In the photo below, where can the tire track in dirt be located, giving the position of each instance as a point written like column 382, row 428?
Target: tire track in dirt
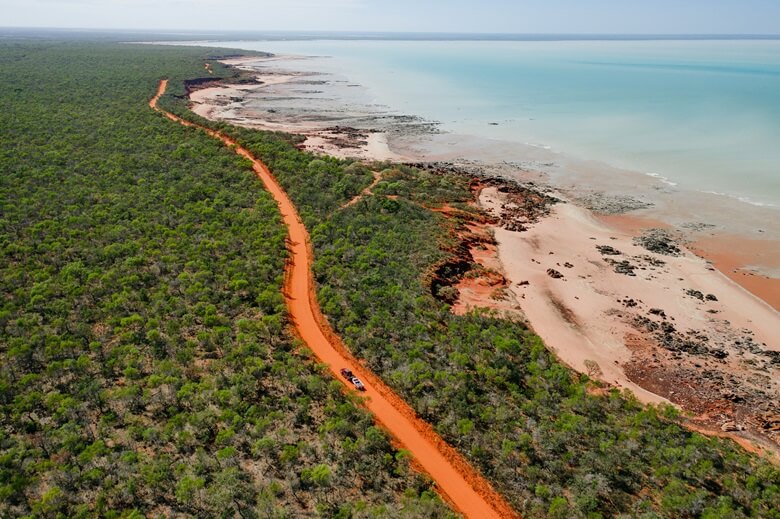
column 456, row 480
column 366, row 192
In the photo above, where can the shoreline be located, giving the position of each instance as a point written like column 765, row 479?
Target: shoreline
column 728, row 254
column 710, row 224
column 642, row 320
column 593, row 313
column 224, row 102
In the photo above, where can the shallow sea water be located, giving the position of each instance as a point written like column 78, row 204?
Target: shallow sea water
column 704, row 115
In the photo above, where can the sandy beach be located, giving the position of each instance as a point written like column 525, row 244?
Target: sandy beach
column 699, row 332
column 227, row 103
column 668, row 327
column 736, row 256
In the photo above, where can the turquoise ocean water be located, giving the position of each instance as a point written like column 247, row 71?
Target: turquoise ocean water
column 705, row 115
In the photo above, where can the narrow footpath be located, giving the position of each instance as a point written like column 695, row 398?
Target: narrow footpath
column 366, row 192
column 456, row 480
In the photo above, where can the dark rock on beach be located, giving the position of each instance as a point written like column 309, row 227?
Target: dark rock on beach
column 695, row 294
column 606, row 250
column 622, row 267
column 612, row 204
column 659, row 241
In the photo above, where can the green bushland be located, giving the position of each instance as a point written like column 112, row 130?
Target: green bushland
column 146, row 368
column 536, row 429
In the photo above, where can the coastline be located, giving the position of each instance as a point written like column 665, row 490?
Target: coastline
column 224, row 102
column 668, row 327
column 731, row 255
column 740, row 239
column 597, row 320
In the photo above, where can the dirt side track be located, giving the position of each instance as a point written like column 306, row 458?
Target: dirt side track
column 456, row 480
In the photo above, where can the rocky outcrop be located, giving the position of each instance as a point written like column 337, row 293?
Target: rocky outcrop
column 659, row 241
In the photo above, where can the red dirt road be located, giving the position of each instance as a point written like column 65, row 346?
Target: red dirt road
column 458, row 482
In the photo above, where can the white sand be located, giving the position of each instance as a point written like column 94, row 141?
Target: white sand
column 220, row 104
column 595, row 328
column 583, row 316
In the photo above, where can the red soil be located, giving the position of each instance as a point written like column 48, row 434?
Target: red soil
column 731, row 255
column 631, row 224
column 486, row 287
column 456, row 480
column 745, row 443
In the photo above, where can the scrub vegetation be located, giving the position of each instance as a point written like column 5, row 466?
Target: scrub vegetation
column 548, row 438
column 145, row 363
column 146, row 368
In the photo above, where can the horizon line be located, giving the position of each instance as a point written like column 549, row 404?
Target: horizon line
column 392, row 33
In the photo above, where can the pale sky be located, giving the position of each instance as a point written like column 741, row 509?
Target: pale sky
column 502, row 16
